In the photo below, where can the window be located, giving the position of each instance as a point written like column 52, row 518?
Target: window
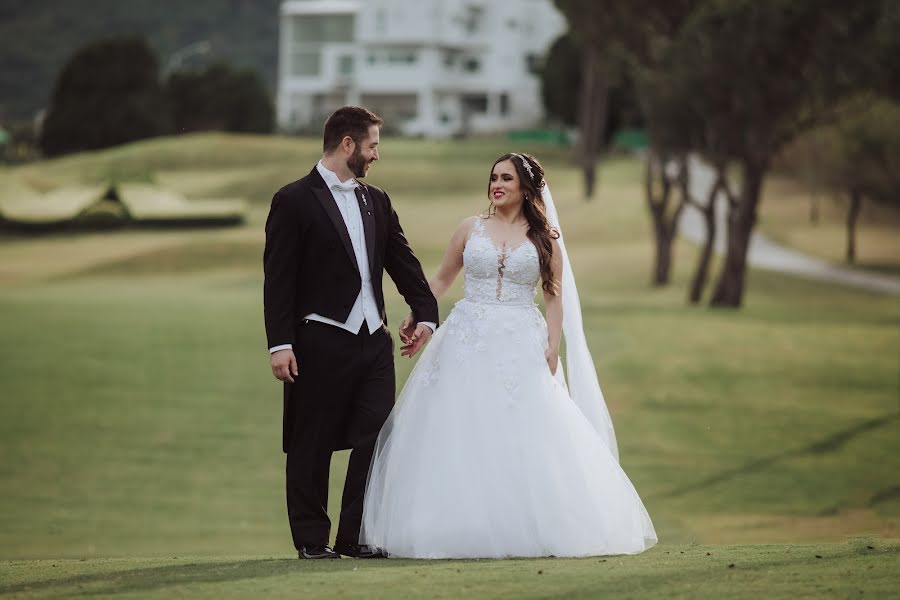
column 345, row 64
column 534, row 63
column 402, row 58
column 477, row 103
column 309, row 33
column 323, row 28
column 305, row 63
column 472, row 19
column 472, row 65
column 504, row 104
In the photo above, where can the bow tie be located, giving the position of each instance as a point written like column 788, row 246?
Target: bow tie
column 347, row 186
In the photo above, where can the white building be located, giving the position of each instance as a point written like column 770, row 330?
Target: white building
column 428, row 67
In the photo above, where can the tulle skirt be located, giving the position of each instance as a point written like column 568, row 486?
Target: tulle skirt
column 486, row 456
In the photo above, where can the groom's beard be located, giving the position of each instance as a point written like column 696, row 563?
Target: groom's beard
column 357, row 163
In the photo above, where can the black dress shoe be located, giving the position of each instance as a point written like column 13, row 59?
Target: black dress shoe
column 316, row 551
column 359, row 550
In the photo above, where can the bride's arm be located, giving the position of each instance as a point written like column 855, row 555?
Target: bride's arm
column 453, row 259
column 554, row 309
column 446, row 273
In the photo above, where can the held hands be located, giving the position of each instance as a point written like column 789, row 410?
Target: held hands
column 552, row 357
column 284, row 365
column 413, row 336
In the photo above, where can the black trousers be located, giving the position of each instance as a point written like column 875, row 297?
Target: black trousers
column 342, row 397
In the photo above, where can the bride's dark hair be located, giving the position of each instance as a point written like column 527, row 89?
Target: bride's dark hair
column 540, row 232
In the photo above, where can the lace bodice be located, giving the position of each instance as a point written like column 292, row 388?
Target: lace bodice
column 499, row 274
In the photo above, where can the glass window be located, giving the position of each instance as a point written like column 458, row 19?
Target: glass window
column 323, row 28
column 402, row 57
column 305, row 63
column 473, row 18
column 345, row 64
column 477, row 103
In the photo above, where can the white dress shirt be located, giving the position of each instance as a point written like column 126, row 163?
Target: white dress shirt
column 364, row 310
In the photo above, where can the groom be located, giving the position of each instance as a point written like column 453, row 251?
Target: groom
column 329, row 238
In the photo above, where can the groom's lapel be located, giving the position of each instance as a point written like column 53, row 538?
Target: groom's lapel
column 330, row 206
column 368, row 218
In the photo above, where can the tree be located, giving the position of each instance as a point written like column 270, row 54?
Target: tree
column 635, row 34
column 863, row 158
column 591, row 28
column 561, row 79
column 764, row 72
column 646, row 31
column 107, row 94
column 219, row 98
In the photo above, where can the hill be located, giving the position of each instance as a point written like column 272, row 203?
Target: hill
column 38, row 36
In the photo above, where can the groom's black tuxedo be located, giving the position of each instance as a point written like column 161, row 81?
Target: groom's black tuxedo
column 346, row 387
column 309, row 262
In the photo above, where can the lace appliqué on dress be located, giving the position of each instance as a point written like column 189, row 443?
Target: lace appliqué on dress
column 495, row 277
column 499, row 273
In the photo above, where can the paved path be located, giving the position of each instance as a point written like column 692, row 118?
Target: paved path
column 766, row 254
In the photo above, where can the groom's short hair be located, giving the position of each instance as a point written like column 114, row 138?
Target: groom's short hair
column 349, row 120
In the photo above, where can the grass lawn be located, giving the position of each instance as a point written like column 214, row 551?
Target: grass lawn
column 140, row 426
column 858, row 568
column 785, row 216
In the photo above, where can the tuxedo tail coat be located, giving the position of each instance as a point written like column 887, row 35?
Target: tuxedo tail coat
column 310, row 265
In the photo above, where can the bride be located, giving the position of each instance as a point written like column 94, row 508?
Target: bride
column 488, row 452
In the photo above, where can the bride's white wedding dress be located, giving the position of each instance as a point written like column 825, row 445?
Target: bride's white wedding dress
column 485, row 454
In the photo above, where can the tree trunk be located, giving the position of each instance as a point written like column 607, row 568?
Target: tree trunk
column 729, row 291
column 852, row 217
column 592, row 115
column 814, row 208
column 665, row 221
column 709, row 217
column 663, row 265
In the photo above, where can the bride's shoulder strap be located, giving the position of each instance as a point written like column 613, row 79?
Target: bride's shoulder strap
column 468, row 227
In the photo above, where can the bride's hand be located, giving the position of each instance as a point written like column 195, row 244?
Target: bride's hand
column 420, row 336
column 552, row 360
column 407, row 328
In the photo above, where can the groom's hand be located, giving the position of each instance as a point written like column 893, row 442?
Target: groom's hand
column 407, row 328
column 416, row 340
column 284, row 365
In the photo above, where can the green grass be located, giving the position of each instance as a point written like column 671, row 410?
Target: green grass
column 139, row 421
column 859, row 567
column 785, row 217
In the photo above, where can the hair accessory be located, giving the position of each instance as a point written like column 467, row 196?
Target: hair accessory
column 525, row 164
